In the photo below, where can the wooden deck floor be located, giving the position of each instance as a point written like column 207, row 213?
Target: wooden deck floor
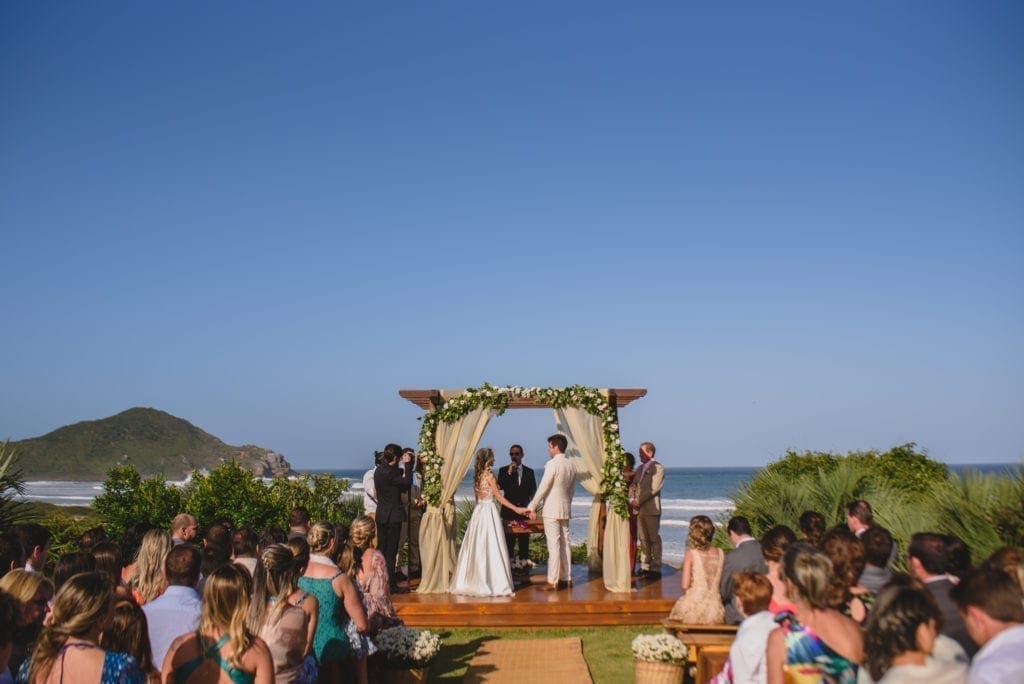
column 586, row 603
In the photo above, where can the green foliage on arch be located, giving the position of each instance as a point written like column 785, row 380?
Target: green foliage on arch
column 590, row 399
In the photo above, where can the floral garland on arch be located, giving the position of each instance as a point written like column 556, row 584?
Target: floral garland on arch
column 613, row 484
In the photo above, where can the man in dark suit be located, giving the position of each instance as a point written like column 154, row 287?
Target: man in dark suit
column 518, row 484
column 746, row 556
column 390, row 481
column 926, row 558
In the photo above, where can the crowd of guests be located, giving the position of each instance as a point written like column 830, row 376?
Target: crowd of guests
column 826, row 605
column 173, row 605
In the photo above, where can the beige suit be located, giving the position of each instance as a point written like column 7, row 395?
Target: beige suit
column 649, row 519
column 555, row 492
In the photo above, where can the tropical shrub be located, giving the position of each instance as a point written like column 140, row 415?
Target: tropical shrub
column 908, row 492
column 227, row 492
column 12, row 483
column 128, row 499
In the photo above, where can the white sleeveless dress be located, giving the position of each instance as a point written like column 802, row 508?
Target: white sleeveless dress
column 483, row 568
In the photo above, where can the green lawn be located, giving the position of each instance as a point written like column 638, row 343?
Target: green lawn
column 606, row 649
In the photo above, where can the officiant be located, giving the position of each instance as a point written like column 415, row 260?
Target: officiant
column 518, row 484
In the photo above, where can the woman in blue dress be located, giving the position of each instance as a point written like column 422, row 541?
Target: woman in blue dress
column 68, row 649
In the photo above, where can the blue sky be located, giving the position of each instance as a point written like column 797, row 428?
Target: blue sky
column 798, row 226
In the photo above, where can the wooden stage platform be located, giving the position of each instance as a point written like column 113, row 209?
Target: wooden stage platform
column 585, row 603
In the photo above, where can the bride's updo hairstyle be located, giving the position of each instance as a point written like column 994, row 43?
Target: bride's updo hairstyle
column 484, row 461
column 320, row 536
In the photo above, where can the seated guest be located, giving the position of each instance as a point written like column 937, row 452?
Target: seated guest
column 148, row 582
column 9, row 610
column 35, row 540
column 184, row 528
column 33, row 592
column 746, row 661
column 223, row 647
column 129, row 633
column 243, row 549
column 846, row 553
column 992, row 606
column 816, row 642
column 746, row 556
column 878, row 546
column 12, row 555
column 71, row 564
column 773, row 545
column 298, row 523
column 926, row 558
column 700, row 603
column 812, row 528
column 283, row 615
column 900, row 636
column 1011, row 561
column 958, row 557
column 176, row 611
column 69, row 646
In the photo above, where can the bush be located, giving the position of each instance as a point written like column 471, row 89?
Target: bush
column 128, row 499
column 908, row 492
column 227, row 492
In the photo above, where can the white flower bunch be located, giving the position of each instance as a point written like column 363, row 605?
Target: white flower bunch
column 412, row 645
column 659, row 648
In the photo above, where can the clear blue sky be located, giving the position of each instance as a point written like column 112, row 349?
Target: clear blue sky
column 799, row 226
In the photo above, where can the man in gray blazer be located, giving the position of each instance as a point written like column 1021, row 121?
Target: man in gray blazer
column 555, row 492
column 745, row 557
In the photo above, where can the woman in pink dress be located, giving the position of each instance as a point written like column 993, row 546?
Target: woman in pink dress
column 701, row 604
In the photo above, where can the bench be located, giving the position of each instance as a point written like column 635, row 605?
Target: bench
column 707, row 646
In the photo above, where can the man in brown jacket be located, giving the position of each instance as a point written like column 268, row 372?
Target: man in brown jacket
column 650, row 478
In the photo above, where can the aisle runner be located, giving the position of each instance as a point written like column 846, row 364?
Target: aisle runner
column 529, row 661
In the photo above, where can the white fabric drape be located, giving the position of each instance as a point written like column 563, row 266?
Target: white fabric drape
column 456, row 443
column 587, row 451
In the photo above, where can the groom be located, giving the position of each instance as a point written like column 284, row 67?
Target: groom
column 555, row 492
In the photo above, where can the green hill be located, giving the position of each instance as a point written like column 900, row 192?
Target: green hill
column 150, row 440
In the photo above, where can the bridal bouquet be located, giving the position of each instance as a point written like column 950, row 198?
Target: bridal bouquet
column 407, row 647
column 659, row 648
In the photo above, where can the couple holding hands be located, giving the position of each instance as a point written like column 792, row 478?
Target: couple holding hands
column 483, row 566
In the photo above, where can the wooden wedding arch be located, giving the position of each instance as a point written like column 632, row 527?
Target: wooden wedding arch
column 452, row 428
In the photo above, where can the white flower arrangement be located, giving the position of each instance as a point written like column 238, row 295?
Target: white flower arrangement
column 659, row 648
column 408, row 646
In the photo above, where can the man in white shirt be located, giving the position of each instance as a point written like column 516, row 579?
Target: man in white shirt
column 35, row 540
column 176, row 611
column 370, row 490
column 184, row 528
column 992, row 607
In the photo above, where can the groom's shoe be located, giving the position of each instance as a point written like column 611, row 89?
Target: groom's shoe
column 548, row 587
column 565, row 584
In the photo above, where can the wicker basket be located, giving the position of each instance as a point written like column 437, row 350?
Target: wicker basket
column 658, row 673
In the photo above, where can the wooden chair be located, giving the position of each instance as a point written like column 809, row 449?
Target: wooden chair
column 707, row 646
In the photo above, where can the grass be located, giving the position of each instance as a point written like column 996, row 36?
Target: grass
column 607, row 650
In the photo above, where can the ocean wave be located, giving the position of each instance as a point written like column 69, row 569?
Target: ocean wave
column 55, row 497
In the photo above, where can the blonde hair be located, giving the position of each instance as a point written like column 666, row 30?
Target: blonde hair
column 84, row 600
column 275, row 579
column 484, row 461
column 362, row 532
column 225, row 607
column 320, row 536
column 149, row 580
column 808, row 570
column 23, row 585
column 702, row 531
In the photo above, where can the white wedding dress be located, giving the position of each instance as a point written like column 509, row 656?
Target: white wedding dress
column 483, row 568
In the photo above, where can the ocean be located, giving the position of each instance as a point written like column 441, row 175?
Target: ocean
column 687, row 492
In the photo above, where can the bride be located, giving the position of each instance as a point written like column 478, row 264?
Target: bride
column 483, row 568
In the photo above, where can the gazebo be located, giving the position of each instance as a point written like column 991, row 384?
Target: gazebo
column 452, row 427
